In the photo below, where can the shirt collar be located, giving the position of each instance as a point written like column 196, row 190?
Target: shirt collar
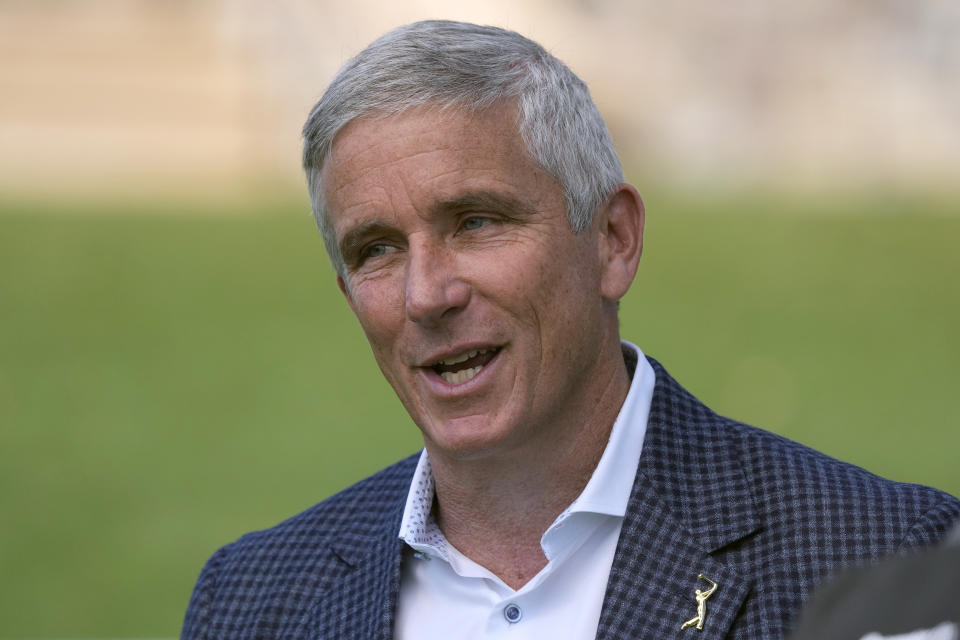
column 607, row 492
column 418, row 528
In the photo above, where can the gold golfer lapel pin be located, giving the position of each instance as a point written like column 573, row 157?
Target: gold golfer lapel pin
column 701, row 595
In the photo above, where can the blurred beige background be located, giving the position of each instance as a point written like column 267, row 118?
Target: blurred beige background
column 179, row 98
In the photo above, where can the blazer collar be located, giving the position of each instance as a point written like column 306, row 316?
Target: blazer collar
column 690, row 498
column 374, row 582
column 693, row 459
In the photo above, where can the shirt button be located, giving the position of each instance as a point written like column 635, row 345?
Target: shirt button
column 512, row 613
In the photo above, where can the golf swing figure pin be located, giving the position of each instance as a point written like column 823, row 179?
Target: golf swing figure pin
column 701, row 596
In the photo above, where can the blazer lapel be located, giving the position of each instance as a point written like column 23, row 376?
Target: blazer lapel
column 651, row 590
column 690, row 498
column 362, row 603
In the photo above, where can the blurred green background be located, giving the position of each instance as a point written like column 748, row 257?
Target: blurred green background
column 174, row 378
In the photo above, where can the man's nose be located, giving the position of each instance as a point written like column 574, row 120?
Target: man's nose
column 434, row 291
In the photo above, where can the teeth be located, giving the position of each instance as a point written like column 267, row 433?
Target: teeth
column 459, row 377
column 462, row 358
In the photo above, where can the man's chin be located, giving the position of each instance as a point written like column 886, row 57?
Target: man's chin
column 468, row 438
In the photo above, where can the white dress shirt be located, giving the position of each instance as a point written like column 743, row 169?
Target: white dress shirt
column 444, row 594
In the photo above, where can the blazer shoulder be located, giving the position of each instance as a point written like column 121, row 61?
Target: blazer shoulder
column 269, row 575
column 360, row 511
column 806, row 497
column 874, row 514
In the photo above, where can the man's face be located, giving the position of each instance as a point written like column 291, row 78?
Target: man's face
column 481, row 305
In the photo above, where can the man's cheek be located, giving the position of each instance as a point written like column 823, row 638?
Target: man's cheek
column 378, row 305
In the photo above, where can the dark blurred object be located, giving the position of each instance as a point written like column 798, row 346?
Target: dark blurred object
column 915, row 597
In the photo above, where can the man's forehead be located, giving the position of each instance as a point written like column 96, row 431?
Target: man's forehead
column 445, row 158
column 368, row 129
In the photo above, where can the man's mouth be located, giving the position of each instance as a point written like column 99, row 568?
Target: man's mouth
column 463, row 367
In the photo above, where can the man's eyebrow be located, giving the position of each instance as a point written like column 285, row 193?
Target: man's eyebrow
column 486, row 201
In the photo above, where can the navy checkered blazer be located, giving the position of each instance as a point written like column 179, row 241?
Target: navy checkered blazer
column 765, row 518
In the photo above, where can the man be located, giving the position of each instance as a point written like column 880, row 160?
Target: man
column 475, row 212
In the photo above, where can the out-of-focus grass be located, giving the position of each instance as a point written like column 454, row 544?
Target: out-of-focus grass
column 168, row 382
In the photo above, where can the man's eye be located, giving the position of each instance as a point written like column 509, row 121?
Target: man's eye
column 376, row 250
column 469, row 224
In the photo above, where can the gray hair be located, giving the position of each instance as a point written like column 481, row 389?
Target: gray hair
column 471, row 67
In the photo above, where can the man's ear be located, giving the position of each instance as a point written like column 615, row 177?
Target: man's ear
column 621, row 241
column 345, row 291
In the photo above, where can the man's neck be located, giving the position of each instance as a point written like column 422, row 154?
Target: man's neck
column 495, row 509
